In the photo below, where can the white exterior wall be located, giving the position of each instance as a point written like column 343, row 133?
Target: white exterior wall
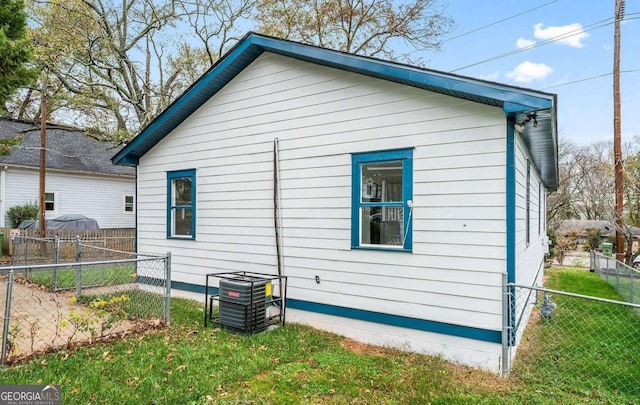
column 321, row 115
column 95, row 196
column 529, row 256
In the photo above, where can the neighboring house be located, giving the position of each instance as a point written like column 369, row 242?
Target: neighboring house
column 80, row 178
column 579, row 228
column 405, row 193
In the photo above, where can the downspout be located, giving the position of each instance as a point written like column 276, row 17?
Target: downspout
column 277, row 214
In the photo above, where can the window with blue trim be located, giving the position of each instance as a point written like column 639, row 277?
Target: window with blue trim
column 382, row 189
column 181, row 204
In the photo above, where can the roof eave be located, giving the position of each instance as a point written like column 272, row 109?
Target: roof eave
column 511, row 99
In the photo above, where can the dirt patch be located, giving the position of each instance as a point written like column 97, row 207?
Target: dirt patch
column 362, row 348
column 42, row 321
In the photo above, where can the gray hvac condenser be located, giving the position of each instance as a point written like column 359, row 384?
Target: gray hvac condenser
column 243, row 303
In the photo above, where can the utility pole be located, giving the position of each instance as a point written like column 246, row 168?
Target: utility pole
column 43, row 161
column 617, row 141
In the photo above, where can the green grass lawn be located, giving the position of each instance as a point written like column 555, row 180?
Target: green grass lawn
column 91, row 275
column 187, row 364
column 589, row 348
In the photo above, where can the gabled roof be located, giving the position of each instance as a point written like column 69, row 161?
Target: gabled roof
column 67, row 149
column 515, row 101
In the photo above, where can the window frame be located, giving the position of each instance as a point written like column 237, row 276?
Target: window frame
column 55, row 202
column 357, row 159
column 171, row 176
column 124, row 203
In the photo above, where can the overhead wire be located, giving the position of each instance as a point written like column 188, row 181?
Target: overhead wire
column 498, row 22
column 598, row 24
column 589, row 78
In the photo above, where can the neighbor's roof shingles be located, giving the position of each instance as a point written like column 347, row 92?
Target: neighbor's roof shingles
column 67, row 149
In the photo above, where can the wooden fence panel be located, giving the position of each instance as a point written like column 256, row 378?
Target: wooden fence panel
column 116, row 239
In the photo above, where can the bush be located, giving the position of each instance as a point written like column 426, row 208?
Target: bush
column 20, row 213
column 593, row 239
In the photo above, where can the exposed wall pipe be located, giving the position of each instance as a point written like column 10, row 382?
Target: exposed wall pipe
column 277, row 220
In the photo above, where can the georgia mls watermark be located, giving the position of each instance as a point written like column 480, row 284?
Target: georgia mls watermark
column 29, row 395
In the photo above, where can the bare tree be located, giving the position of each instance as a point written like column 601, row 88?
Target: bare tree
column 562, row 204
column 114, row 66
column 366, row 27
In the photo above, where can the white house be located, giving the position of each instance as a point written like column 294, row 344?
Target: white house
column 80, row 178
column 405, row 193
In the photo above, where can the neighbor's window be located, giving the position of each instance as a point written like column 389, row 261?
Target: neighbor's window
column 381, row 190
column 50, row 202
column 128, row 203
column 181, row 204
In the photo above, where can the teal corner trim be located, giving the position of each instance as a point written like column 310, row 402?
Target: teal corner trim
column 511, row 222
column 511, row 201
column 486, row 335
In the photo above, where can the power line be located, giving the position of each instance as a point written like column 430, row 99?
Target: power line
column 497, row 22
column 603, row 23
column 589, row 78
column 590, row 27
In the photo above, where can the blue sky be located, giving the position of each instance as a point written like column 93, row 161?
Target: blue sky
column 585, row 109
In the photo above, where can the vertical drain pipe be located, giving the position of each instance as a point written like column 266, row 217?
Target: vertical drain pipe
column 276, row 214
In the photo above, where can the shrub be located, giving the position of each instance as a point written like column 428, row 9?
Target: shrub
column 20, row 213
column 593, row 239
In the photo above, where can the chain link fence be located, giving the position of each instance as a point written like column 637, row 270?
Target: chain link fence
column 624, row 279
column 55, row 250
column 572, row 337
column 52, row 306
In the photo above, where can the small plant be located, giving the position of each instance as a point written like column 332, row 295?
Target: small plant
column 110, row 312
column 593, row 239
column 79, row 322
column 33, row 330
column 19, row 213
column 12, row 338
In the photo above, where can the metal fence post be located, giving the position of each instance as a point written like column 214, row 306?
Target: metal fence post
column 167, row 295
column 631, row 288
column 7, row 313
column 56, row 260
column 79, row 268
column 506, row 357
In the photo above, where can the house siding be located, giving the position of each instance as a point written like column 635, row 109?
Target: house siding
column 529, row 256
column 320, row 116
column 95, row 196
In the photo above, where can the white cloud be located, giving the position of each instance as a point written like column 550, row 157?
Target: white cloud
column 571, row 34
column 527, row 71
column 492, row 77
column 524, row 43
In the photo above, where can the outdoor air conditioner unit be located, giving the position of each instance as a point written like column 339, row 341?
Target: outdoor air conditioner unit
column 243, row 303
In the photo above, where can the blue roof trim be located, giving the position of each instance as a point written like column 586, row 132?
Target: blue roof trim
column 511, row 99
column 468, row 332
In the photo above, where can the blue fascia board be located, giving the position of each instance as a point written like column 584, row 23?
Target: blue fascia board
column 487, row 335
column 252, row 45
